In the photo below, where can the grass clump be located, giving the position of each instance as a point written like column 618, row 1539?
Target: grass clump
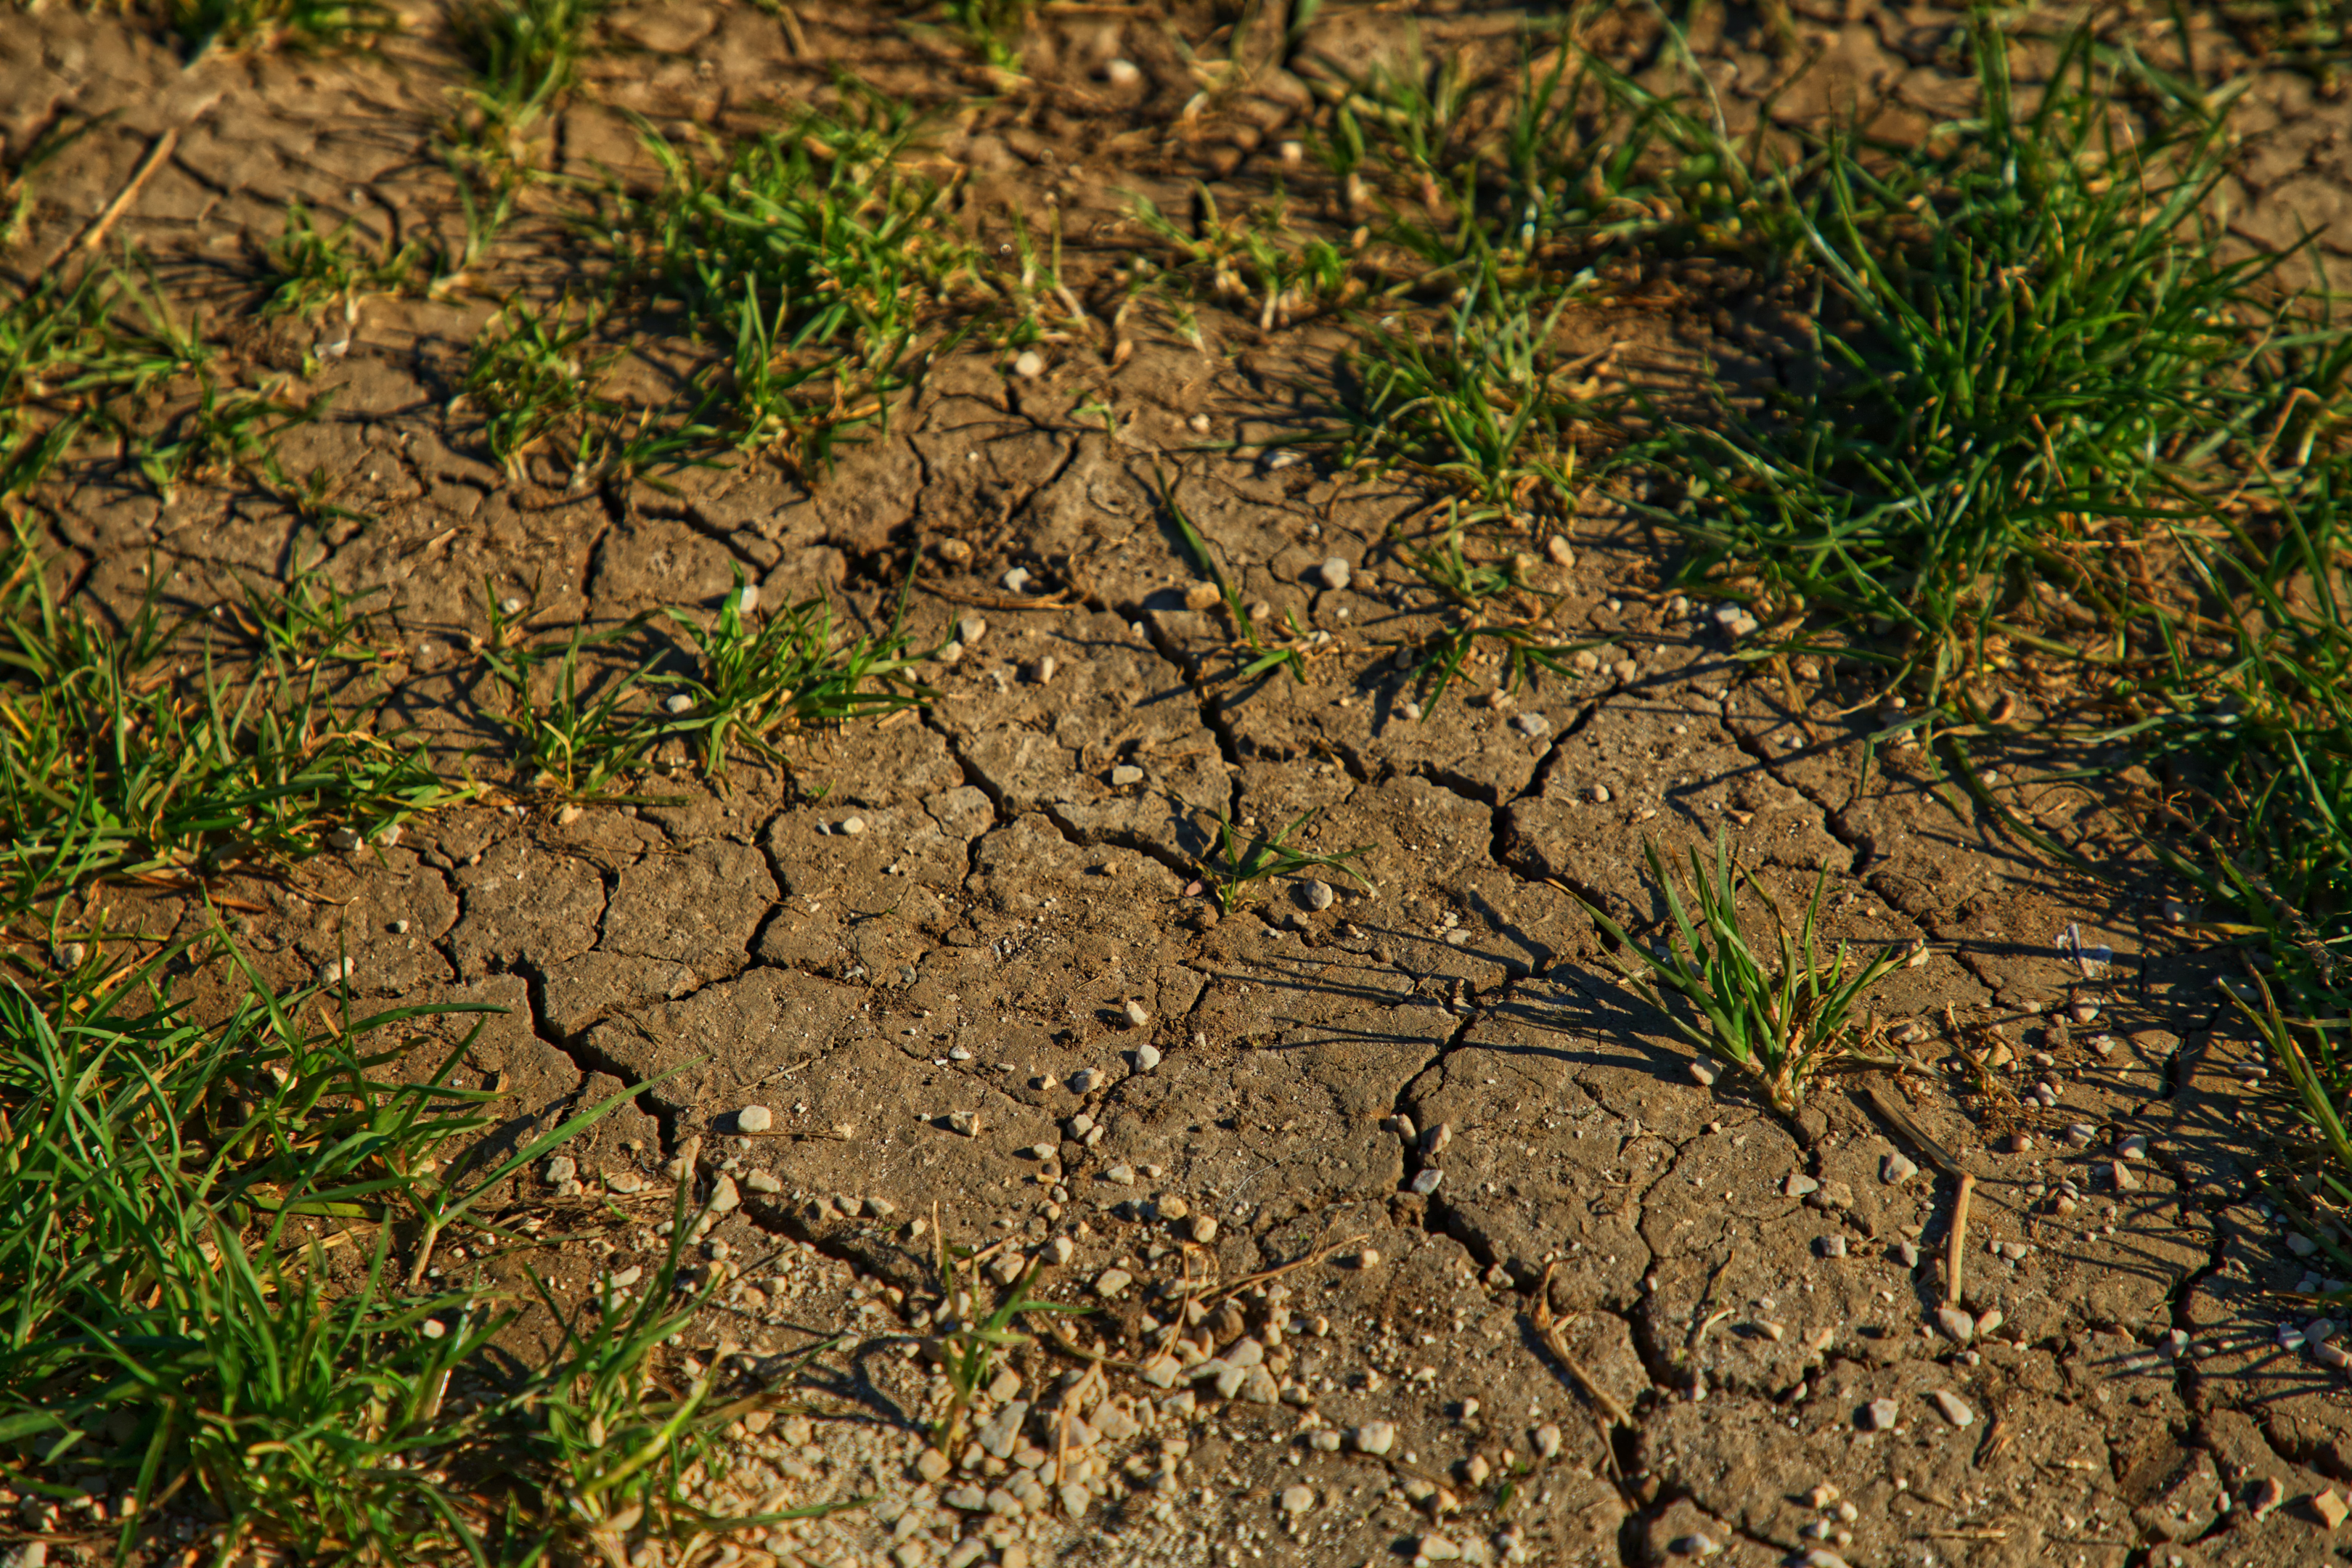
column 1237, row 864
column 258, row 25
column 1783, row 1025
column 2043, row 363
column 811, row 259
column 197, row 1231
column 524, row 56
column 312, row 270
column 112, row 765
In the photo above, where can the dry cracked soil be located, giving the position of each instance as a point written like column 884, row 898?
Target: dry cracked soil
column 1406, row 1231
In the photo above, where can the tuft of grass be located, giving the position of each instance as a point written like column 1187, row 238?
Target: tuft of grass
column 1783, row 1025
column 994, row 29
column 1235, row 869
column 196, row 1235
column 971, row 1348
column 312, row 270
column 1256, row 255
column 525, row 56
column 113, row 764
column 533, row 377
column 256, row 26
column 810, row 259
column 72, row 356
column 2044, row 360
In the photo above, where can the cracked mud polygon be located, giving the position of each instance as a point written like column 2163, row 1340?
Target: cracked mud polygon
column 963, row 955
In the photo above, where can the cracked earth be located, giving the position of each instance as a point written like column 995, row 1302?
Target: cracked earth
column 1410, row 1233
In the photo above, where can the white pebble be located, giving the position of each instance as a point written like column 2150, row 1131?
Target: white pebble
column 1600, row 795
column 1297, row 1498
column 754, row 1119
column 1028, row 364
column 1126, row 775
column 853, row 826
column 1015, row 580
column 1894, row 1170
column 1136, row 1014
column 678, row 703
column 1083, row 1081
column 561, row 1169
column 1373, row 1438
column 1953, row 1408
column 1146, row 1057
column 1335, row 573
column 1122, row 73
column 1111, row 1282
column 1879, row 1415
column 510, row 607
column 1703, row 1074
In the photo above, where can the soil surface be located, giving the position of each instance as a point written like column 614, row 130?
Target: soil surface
column 1477, row 1266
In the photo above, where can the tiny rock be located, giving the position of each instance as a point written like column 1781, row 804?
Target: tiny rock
column 1878, row 1416
column 1547, row 1441
column 1695, row 1546
column 2330, row 1508
column 1952, row 1407
column 1798, row 1185
column 1562, row 554
column 1958, row 1325
column 561, row 1169
column 1703, row 1074
column 1120, row 1175
column 1894, row 1170
column 933, row 1465
column 1029, row 363
column 853, row 826
column 1830, row 1245
column 2265, row 1497
column 1369, row 1257
column 754, row 1119
column 1125, row 776
column 1146, row 1057
column 1111, row 1283
column 1083, row 1081
column 1040, row 672
column 2134, row 1147
column 1204, row 1229
column 677, row 705
column 1297, row 1500
column 1907, row 1254
column 1373, row 1438
column 724, row 1198
column 1136, row 1015
column 1334, row 574
column 1438, row 1549
column 1126, row 73
column 2121, row 1175
column 1425, row 1181
column 1317, row 894
column 964, row 1122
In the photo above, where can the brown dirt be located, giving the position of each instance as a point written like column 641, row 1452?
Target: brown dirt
column 973, row 949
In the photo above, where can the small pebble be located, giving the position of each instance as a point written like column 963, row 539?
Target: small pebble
column 1335, row 573
column 561, row 1169
column 1016, row 580
column 1126, row 73
column 1703, row 1074
column 754, row 1119
column 1437, row 1549
column 510, row 607
column 1600, row 795
column 1425, row 1181
column 1317, row 894
column 1958, row 1325
column 853, row 826
column 2080, row 1134
column 1895, row 1169
column 1137, row 1016
column 2266, row 1497
column 2134, row 1147
column 1907, row 1254
column 1547, row 1441
column 1878, row 1416
column 1563, row 555
column 1799, row 1184
column 1040, row 672
column 1204, row 1229
column 724, row 1198
column 677, row 703
column 1126, row 775
column 400, row 928
column 1531, row 725
column 1373, row 1438
column 1146, row 1057
column 1083, row 1081
column 1952, row 1407
column 1028, row 364
column 1830, row 1245
column 1119, row 1175
column 1111, row 1282
column 1369, row 1257
column 1297, row 1498
column 2331, row 1509
column 964, row 1122
column 1698, row 1545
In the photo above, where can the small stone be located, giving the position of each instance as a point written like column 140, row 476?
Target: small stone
column 2266, row 1497
column 2331, row 1509
column 762, row 1182
column 1989, row 1320
column 724, row 1198
column 1204, row 1229
column 1958, row 1325
column 1952, row 1407
column 1369, row 1257
column 2080, row 1135
column 1120, row 1175
column 2083, row 1010
column 970, row 630
column 400, row 928
column 1895, row 1169
column 1083, row 1081
column 343, row 839
column 964, row 1122
column 966, row 1500
column 1438, row 1139
column 1564, row 554
column 1111, row 1283
column 1599, row 795
column 2134, row 1147
column 853, row 826
column 1126, row 73
column 1373, row 1438
column 1125, row 776
column 1061, row 1249
column 1316, row 894
column 561, row 1169
column 1696, row 1545
column 1702, row 1073
column 1799, row 1184
column 2121, row 1175
column 1028, row 364
column 678, row 704
column 1830, row 1245
column 1136, row 1018
column 2301, row 1245
column 754, row 1119
column 1547, row 1441
column 933, row 1465
column 1075, row 1499
column 1016, row 580
column 1146, row 1058
column 1334, row 573
column 334, row 970
column 1438, row 1549
column 1878, row 1416
column 1040, row 672
column 1425, row 1181
column 1297, row 1500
